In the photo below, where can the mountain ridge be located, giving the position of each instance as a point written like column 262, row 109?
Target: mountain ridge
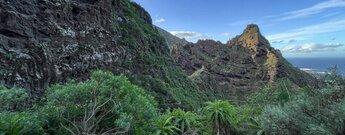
column 239, row 67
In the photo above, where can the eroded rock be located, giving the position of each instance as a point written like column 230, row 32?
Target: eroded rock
column 239, row 67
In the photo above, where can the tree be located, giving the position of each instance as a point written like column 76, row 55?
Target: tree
column 221, row 115
column 105, row 104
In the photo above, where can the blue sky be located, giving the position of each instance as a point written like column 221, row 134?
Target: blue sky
column 299, row 28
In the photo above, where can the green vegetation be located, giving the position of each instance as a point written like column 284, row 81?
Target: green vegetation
column 178, row 122
column 12, row 99
column 168, row 102
column 103, row 104
column 110, row 104
column 287, row 109
column 106, row 102
column 21, row 123
column 152, row 67
column 319, row 111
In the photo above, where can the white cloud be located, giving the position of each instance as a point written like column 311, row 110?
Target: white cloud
column 292, row 40
column 307, row 31
column 225, row 34
column 318, row 8
column 312, row 47
column 284, row 41
column 160, row 20
column 277, row 41
column 188, row 35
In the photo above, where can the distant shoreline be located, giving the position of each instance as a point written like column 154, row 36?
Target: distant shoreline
column 319, row 66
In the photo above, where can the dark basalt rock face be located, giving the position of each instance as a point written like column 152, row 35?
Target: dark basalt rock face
column 239, row 67
column 44, row 42
column 228, row 72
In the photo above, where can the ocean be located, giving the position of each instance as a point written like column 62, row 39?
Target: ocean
column 318, row 65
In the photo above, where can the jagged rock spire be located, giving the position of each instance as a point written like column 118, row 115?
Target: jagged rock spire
column 252, row 28
column 252, row 38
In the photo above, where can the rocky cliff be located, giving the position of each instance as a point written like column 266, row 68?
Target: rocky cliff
column 47, row 42
column 43, row 42
column 239, row 67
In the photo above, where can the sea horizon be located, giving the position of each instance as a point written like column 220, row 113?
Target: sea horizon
column 320, row 65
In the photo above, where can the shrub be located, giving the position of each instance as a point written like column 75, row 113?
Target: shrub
column 12, row 99
column 104, row 104
column 187, row 122
column 178, row 122
column 164, row 125
column 318, row 111
column 12, row 123
column 247, row 121
column 279, row 92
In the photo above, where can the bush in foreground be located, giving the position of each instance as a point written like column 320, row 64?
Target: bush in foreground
column 104, row 104
column 109, row 104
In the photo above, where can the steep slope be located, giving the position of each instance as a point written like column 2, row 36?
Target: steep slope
column 47, row 42
column 170, row 39
column 272, row 61
column 239, row 67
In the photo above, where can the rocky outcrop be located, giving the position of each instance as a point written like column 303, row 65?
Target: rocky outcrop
column 239, row 67
column 43, row 42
